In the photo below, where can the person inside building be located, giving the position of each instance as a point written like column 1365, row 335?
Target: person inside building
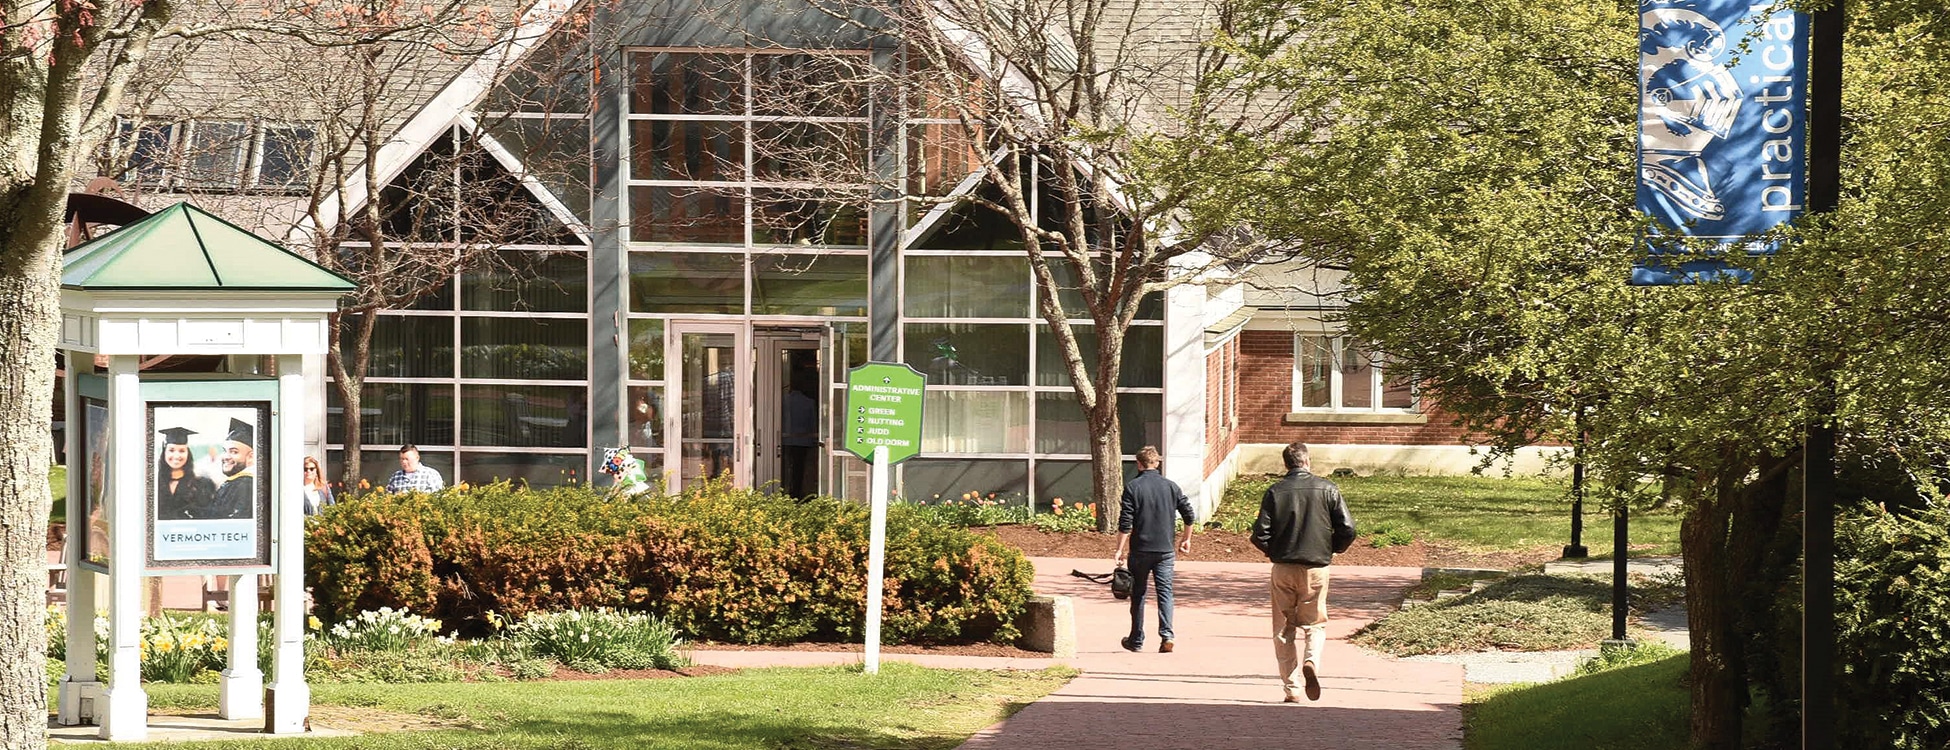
column 414, row 476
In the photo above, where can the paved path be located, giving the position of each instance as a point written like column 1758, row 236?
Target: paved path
column 1218, row 691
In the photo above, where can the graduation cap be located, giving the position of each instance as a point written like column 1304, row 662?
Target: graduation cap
column 177, row 435
column 241, row 432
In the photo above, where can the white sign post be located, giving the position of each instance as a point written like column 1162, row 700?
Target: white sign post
column 876, row 555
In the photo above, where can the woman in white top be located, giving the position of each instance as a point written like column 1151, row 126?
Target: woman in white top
column 318, row 493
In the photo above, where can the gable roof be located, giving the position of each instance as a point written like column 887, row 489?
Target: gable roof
column 183, row 247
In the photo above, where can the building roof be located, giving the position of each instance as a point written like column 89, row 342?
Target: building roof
column 183, row 247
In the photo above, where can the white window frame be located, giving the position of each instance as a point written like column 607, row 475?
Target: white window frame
column 181, row 135
column 1337, row 380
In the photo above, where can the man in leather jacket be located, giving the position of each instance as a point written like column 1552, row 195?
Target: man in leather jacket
column 1302, row 523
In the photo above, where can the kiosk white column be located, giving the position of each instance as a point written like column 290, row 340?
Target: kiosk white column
column 241, row 695
column 289, row 696
column 79, row 683
column 125, row 717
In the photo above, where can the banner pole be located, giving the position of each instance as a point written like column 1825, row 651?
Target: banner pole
column 876, row 555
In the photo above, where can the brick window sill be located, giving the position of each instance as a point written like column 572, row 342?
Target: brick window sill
column 1358, row 418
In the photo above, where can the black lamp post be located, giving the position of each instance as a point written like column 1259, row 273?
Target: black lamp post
column 1818, row 456
column 1576, row 549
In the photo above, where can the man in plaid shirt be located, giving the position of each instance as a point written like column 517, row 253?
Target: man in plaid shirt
column 412, row 475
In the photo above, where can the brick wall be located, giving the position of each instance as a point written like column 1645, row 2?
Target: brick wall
column 1265, row 374
column 1220, row 437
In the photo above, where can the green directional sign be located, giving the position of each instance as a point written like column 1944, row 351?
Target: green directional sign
column 883, row 407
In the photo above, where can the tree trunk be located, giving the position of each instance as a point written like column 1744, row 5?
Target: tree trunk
column 1717, row 673
column 348, row 376
column 30, row 303
column 353, row 420
column 1106, row 459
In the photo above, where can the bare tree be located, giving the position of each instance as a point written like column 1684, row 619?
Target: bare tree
column 1097, row 130
column 65, row 70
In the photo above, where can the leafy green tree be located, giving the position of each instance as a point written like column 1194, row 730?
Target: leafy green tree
column 1472, row 171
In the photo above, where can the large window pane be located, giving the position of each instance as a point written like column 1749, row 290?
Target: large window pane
column 1060, row 426
column 967, row 287
column 216, row 154
column 646, row 349
column 975, row 422
column 808, row 217
column 1141, row 420
column 687, row 150
column 1070, row 296
column 809, row 152
column 1397, row 391
column 940, row 155
column 687, row 214
column 1062, row 429
column 395, row 413
column 970, row 227
column 533, row 469
column 849, row 349
column 1315, row 359
column 933, row 480
column 1357, row 377
column 810, row 85
column 555, row 151
column 969, row 354
column 809, row 285
column 1144, row 356
column 407, row 346
column 646, row 413
column 528, row 281
column 1068, row 481
column 537, row 416
column 286, row 158
column 687, row 83
column 524, row 348
column 687, row 282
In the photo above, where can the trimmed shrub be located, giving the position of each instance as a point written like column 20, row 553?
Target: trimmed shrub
column 1892, row 623
column 716, row 562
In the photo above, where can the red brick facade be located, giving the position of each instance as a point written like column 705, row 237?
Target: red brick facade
column 1221, row 384
column 1265, row 374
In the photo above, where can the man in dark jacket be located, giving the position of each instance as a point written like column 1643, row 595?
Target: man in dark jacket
column 1144, row 522
column 1302, row 523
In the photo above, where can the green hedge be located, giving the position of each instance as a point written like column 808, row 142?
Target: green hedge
column 718, row 563
column 1892, row 590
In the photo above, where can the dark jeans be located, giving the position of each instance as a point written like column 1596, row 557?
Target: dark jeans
column 1146, row 566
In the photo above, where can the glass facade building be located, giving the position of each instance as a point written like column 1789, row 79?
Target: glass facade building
column 723, row 260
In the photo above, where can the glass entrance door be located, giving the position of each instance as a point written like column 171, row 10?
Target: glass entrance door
column 791, row 412
column 713, row 419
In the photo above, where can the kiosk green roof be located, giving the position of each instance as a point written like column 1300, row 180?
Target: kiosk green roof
column 183, row 247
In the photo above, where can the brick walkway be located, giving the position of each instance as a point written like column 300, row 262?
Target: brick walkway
column 1218, row 691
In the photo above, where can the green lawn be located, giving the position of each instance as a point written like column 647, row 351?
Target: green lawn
column 1476, row 513
column 1630, row 708
column 57, row 482
column 835, row 707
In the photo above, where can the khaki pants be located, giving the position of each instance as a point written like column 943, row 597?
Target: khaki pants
column 1299, row 608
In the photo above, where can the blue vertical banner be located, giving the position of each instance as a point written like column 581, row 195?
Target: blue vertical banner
column 1722, row 132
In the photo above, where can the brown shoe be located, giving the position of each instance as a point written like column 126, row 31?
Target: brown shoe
column 1165, row 647
column 1290, row 699
column 1313, row 681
